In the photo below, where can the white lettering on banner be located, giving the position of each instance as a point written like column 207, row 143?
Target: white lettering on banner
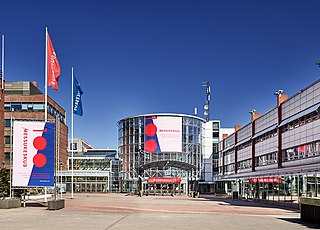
column 76, row 103
column 52, row 59
column 25, row 147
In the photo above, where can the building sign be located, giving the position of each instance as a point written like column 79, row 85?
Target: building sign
column 164, row 180
column 33, row 153
column 266, row 180
column 163, row 134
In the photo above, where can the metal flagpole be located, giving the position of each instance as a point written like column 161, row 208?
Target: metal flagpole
column 72, row 132
column 56, row 159
column 11, row 144
column 46, row 79
column 46, row 95
column 2, row 63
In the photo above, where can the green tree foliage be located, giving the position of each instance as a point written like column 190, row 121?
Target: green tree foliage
column 4, row 182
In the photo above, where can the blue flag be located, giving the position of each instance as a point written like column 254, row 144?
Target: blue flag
column 77, row 93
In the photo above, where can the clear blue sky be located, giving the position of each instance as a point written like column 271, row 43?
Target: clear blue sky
column 135, row 57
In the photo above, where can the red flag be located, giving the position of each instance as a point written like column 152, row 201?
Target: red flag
column 53, row 66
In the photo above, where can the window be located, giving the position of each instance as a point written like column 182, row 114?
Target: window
column 16, row 107
column 38, row 107
column 73, row 146
column 24, row 107
column 7, row 155
column 7, row 107
column 7, row 139
column 7, row 122
column 215, row 125
column 215, row 134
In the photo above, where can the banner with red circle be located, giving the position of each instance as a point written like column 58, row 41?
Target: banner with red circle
column 33, row 154
column 163, row 134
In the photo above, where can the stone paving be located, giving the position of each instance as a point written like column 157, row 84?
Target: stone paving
column 120, row 211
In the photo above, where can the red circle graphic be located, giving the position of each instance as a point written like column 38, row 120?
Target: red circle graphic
column 40, row 143
column 151, row 130
column 39, row 160
column 151, row 145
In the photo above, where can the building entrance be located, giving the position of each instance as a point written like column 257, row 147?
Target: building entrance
column 164, row 186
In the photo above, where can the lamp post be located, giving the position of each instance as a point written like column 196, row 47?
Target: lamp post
column 61, row 164
column 139, row 172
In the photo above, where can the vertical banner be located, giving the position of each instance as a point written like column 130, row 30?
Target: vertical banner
column 33, row 154
column 53, row 66
column 163, row 134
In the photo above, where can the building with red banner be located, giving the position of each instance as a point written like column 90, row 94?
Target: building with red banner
column 168, row 153
column 161, row 153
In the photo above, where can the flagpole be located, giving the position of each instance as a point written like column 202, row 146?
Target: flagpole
column 46, row 80
column 46, row 95
column 2, row 63
column 72, row 132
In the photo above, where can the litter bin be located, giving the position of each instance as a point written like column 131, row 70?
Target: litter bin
column 235, row 195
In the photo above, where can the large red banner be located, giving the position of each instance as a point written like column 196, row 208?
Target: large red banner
column 53, row 66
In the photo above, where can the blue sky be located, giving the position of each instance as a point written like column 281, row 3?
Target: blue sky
column 136, row 57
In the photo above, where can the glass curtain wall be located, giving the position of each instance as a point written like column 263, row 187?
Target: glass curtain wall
column 286, row 188
column 131, row 139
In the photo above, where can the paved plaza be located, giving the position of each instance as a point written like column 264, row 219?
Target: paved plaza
column 121, row 211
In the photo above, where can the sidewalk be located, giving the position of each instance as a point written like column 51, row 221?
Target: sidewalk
column 118, row 211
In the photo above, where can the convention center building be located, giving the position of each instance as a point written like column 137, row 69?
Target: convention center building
column 168, row 153
column 276, row 156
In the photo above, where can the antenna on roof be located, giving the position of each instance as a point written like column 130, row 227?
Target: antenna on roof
column 207, row 105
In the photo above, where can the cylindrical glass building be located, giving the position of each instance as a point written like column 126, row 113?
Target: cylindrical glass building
column 164, row 151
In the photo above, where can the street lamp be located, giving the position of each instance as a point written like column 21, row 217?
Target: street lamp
column 61, row 164
column 278, row 92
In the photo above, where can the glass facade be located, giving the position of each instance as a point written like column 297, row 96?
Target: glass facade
column 131, row 147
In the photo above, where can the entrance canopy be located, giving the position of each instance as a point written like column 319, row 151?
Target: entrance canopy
column 167, row 164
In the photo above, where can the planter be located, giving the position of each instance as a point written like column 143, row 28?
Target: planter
column 310, row 210
column 10, row 203
column 55, row 204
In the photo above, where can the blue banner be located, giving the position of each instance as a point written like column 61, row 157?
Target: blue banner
column 43, row 162
column 77, row 93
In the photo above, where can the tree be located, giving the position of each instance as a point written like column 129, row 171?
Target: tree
column 4, row 182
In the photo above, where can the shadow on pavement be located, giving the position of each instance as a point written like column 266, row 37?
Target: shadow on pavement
column 248, row 203
column 300, row 222
column 34, row 204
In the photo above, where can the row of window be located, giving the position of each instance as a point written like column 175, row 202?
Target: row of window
column 139, row 122
column 313, row 116
column 266, row 136
column 268, row 159
column 90, row 164
column 245, row 164
column 301, row 152
column 301, row 121
column 229, row 168
column 32, row 107
column 244, row 145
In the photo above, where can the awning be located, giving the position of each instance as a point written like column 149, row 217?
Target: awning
column 264, row 131
column 228, row 148
column 168, row 164
column 301, row 114
column 243, row 141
